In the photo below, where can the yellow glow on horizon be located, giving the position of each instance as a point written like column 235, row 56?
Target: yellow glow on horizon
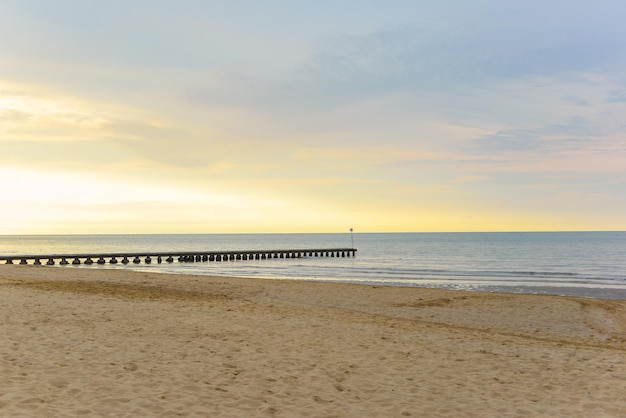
column 34, row 202
column 57, row 203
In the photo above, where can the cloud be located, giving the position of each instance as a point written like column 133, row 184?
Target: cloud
column 508, row 141
column 14, row 115
column 457, row 63
column 616, row 96
column 571, row 136
column 447, row 55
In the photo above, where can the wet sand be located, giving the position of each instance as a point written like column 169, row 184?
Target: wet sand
column 76, row 341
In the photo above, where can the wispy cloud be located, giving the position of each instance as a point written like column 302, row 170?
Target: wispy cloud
column 418, row 107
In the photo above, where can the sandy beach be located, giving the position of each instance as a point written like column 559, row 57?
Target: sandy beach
column 76, row 341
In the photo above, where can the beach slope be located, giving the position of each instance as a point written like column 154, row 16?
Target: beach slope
column 81, row 341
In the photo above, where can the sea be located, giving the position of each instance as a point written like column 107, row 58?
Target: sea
column 587, row 264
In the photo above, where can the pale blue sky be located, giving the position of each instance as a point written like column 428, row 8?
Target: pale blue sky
column 404, row 115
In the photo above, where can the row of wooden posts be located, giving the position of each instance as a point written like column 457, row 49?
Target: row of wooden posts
column 170, row 257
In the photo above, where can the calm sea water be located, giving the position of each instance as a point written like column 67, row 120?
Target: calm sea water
column 591, row 264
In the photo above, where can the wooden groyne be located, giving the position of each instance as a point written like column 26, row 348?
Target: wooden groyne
column 170, row 257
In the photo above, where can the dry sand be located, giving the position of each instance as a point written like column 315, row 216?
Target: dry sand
column 77, row 341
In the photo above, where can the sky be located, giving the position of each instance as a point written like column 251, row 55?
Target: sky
column 192, row 116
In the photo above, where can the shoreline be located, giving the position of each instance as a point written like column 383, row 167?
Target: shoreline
column 113, row 342
column 612, row 292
